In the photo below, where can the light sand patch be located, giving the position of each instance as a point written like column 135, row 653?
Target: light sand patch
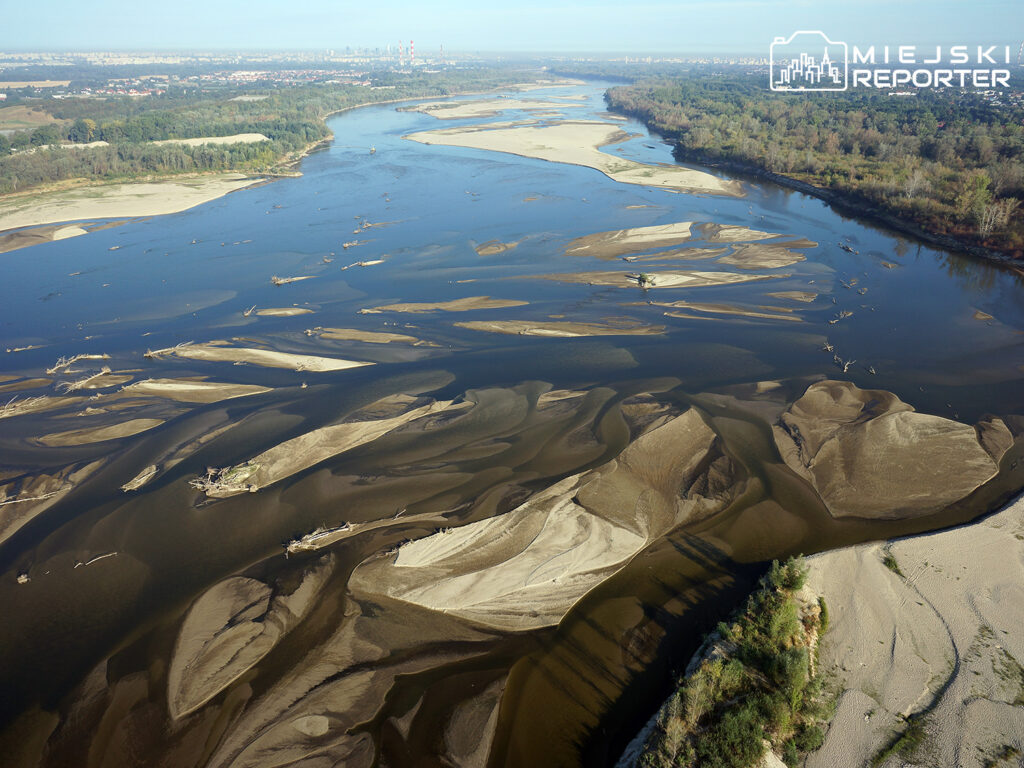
column 681, row 254
column 687, row 279
column 803, row 296
column 559, row 329
column 99, row 434
column 185, row 391
column 731, row 233
column 455, row 110
column 285, row 280
column 468, row 304
column 610, row 245
column 943, row 634
column 493, row 247
column 299, row 453
column 105, row 378
column 761, row 256
column 219, row 352
column 238, row 138
column 371, row 337
column 577, row 143
column 730, row 309
column 118, row 200
column 283, row 312
column 869, row 454
column 34, row 84
column 65, row 232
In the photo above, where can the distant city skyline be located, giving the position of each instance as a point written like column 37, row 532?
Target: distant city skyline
column 654, row 27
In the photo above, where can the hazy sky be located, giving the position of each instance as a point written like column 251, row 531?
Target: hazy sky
column 476, row 25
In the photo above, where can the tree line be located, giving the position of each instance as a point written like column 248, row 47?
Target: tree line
column 292, row 118
column 949, row 161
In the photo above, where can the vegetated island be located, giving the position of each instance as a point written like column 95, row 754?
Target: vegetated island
column 944, row 167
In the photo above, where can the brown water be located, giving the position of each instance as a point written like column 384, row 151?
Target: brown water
column 86, row 650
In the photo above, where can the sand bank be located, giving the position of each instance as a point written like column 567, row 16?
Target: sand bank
column 493, row 248
column 578, row 143
column 761, row 256
column 550, row 328
column 454, row 110
column 297, row 454
column 370, row 337
column 283, row 312
column 189, row 391
column 732, row 233
column 763, row 313
column 683, row 279
column 467, row 304
column 869, row 454
column 526, row 568
column 218, row 351
column 803, row 296
column 99, row 434
column 117, row 200
column 940, row 637
column 611, row 245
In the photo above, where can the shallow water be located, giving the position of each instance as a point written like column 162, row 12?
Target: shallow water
column 574, row 692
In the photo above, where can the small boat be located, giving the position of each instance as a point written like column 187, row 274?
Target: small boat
column 373, row 150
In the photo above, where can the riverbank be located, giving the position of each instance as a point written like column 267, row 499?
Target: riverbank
column 926, row 647
column 115, row 201
column 853, row 205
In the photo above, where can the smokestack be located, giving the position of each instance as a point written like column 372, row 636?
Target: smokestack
column 412, row 53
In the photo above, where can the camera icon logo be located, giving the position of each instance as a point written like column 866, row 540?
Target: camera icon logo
column 808, row 61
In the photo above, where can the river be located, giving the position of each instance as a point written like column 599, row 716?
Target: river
column 354, row 670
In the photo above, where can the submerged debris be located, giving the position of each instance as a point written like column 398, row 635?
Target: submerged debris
column 64, row 363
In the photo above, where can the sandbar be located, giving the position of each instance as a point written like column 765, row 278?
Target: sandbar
column 453, row 110
column 683, row 279
column 559, row 329
column 183, row 390
column 219, row 352
column 99, row 434
column 467, row 304
column 617, row 242
column 117, row 200
column 283, row 312
column 578, row 143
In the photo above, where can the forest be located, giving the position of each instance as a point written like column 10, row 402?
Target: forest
column 951, row 163
column 292, row 118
